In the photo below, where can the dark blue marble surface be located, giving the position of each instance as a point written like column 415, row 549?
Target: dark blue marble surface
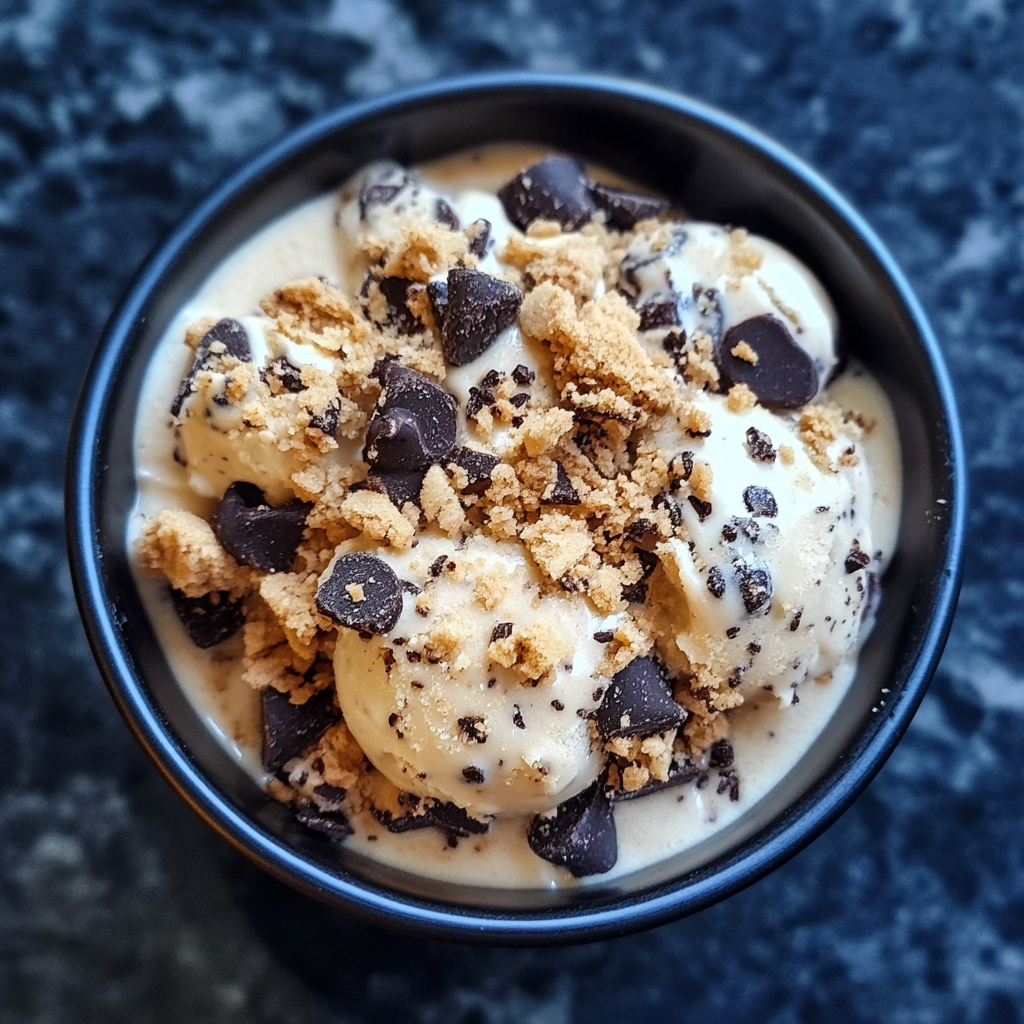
column 115, row 903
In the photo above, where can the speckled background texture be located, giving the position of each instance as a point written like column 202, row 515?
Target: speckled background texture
column 116, row 904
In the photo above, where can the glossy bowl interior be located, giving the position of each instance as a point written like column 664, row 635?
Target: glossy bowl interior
column 718, row 170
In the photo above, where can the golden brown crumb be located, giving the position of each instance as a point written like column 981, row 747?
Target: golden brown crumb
column 532, row 652
column 355, row 591
column 741, row 398
column 786, row 455
column 700, row 480
column 421, row 251
column 573, row 261
column 440, row 502
column 543, row 430
column 557, row 543
column 743, row 351
column 375, row 515
column 290, row 596
column 197, row 330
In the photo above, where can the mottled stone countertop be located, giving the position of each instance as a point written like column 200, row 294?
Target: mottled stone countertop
column 116, row 904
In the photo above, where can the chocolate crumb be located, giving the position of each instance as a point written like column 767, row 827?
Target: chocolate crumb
column 501, row 631
column 604, row 636
column 759, row 444
column 437, row 566
column 558, row 705
column 517, row 717
column 210, row 619
column 721, row 754
column 702, row 508
column 523, row 375
column 732, row 632
column 716, row 582
column 472, row 731
column 473, row 774
column 760, row 502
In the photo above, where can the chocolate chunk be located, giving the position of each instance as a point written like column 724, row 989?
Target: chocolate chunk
column 561, row 492
column 716, row 581
column 678, row 775
column 479, row 398
column 755, row 583
column 856, row 559
column 400, row 485
column 478, row 308
column 759, row 444
column 448, row 817
column 702, row 508
column 604, row 636
column 227, row 333
column 473, row 774
column 501, row 631
column 396, row 294
column 445, row 215
column 209, row 619
column 333, row 824
column 784, row 375
column 478, row 467
column 760, row 502
column 471, row 729
column 479, row 233
column 414, row 424
column 382, row 183
column 557, row 188
column 289, row 729
column 381, row 605
column 638, row 702
column 659, row 312
column 721, row 755
column 580, row 835
column 257, row 534
column 625, row 209
column 523, row 375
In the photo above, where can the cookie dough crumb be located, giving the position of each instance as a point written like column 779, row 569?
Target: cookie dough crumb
column 447, row 636
column 543, row 430
column 786, row 455
column 741, row 398
column 574, row 262
column 195, row 332
column 532, row 653
column 290, row 596
column 491, row 588
column 355, row 591
column 440, row 502
column 557, row 543
column 375, row 515
column 745, row 352
column 700, row 480
column 421, row 251
column 311, row 310
column 184, row 548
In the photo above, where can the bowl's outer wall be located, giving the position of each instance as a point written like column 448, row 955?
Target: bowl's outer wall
column 717, row 169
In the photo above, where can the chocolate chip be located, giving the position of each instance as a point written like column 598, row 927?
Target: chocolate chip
column 732, row 632
column 381, row 605
column 445, row 215
column 856, row 559
column 332, row 824
column 702, row 508
column 473, row 774
column 561, row 492
column 477, row 466
column 759, row 444
column 556, row 188
column 625, row 209
column 479, row 234
column 382, row 183
column 523, row 375
column 659, row 312
column 479, row 398
column 517, row 717
column 678, row 774
column 414, row 423
column 447, row 817
column 520, row 399
column 638, row 702
column 716, row 581
column 604, row 636
column 396, row 294
column 471, row 728
column 755, row 583
column 229, row 333
column 760, row 502
column 501, row 631
column 492, row 378
column 210, row 619
column 289, row 729
column 721, row 754
column 479, row 307
column 784, row 375
column 580, row 835
column 257, row 534
column 558, row 705
column 400, row 485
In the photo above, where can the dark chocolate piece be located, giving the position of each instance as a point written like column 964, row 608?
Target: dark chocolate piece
column 523, row 375
column 471, row 729
column 625, row 209
column 400, row 485
column 448, row 817
column 556, row 188
column 660, row 312
column 328, row 794
column 604, row 636
column 501, row 631
column 678, row 775
column 445, row 215
column 580, row 835
column 479, row 233
column 702, row 508
column 721, row 755
column 257, row 534
column 381, row 605
column 716, row 581
column 383, row 182
column 229, row 333
column 210, row 619
column 760, row 502
column 562, row 491
column 478, row 467
column 437, row 292
column 759, row 444
column 856, row 559
column 755, row 583
column 396, row 294
column 332, row 824
column 479, row 307
column 784, row 376
column 473, row 774
column 414, row 423
column 289, row 729
column 638, row 702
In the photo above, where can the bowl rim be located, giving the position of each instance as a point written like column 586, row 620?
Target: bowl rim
column 626, row 913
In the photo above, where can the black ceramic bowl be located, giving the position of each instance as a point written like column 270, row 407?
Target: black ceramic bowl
column 717, row 169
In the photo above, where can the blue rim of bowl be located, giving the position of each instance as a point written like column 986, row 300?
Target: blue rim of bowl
column 374, row 904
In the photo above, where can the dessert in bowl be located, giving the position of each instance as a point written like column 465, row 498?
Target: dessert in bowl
column 526, row 517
